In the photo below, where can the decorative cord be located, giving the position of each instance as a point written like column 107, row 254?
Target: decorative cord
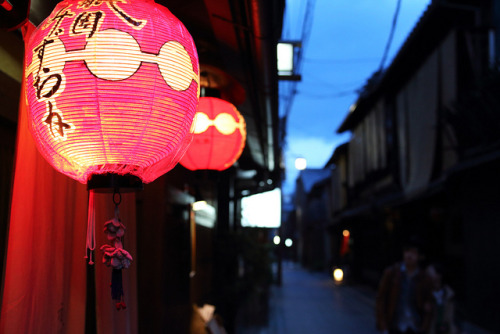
column 90, row 229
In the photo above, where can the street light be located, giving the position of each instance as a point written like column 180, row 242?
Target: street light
column 300, row 163
column 338, row 275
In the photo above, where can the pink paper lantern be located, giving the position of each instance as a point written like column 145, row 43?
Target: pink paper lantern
column 219, row 136
column 112, row 88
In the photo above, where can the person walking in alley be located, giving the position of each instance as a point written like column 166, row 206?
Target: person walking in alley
column 404, row 304
column 443, row 306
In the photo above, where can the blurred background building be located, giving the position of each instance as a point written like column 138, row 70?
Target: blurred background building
column 422, row 160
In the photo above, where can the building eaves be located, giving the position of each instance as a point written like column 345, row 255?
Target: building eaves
column 433, row 26
column 339, row 151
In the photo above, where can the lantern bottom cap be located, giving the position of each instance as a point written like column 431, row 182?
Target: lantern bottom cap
column 110, row 182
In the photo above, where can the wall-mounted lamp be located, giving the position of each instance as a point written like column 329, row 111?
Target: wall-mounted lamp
column 287, row 56
column 199, row 205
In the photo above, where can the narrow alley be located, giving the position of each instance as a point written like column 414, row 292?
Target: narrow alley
column 310, row 302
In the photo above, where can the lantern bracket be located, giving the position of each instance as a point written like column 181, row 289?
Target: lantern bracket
column 114, row 183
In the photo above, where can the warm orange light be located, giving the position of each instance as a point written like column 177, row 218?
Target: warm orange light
column 338, row 275
column 199, row 205
column 219, row 136
column 344, row 245
column 112, row 87
column 223, row 122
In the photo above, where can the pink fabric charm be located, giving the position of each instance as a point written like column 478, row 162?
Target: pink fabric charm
column 114, row 228
column 115, row 256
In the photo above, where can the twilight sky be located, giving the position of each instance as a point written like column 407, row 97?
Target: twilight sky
column 344, row 47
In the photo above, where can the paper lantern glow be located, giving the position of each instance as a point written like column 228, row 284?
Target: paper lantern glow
column 219, row 136
column 112, row 87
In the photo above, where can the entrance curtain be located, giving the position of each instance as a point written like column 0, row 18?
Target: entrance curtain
column 44, row 288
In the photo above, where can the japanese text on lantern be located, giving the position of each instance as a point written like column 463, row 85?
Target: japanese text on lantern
column 128, row 19
column 50, row 56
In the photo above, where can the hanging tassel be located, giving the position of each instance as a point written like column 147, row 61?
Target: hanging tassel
column 117, row 289
column 116, row 284
column 89, row 250
column 115, row 256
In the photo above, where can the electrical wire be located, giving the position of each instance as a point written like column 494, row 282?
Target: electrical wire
column 292, row 87
column 391, row 35
column 328, row 95
column 339, row 61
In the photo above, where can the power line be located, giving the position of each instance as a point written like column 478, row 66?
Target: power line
column 340, row 61
column 315, row 80
column 306, row 31
column 391, row 34
column 328, row 95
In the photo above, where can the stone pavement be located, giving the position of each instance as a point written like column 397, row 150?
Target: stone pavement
column 311, row 303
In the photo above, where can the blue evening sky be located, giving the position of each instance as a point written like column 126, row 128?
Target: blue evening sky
column 344, row 48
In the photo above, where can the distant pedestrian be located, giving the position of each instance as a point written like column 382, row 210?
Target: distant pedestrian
column 404, row 304
column 443, row 306
column 205, row 321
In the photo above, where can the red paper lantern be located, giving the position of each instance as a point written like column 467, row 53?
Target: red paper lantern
column 219, row 136
column 112, row 88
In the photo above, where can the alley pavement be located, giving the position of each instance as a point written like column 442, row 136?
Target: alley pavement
column 311, row 303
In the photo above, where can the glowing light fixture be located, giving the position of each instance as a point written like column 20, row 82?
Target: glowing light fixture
column 262, row 210
column 199, row 205
column 300, row 163
column 112, row 87
column 344, row 245
column 276, row 240
column 287, row 52
column 219, row 136
column 338, row 275
column 285, row 58
column 288, row 242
